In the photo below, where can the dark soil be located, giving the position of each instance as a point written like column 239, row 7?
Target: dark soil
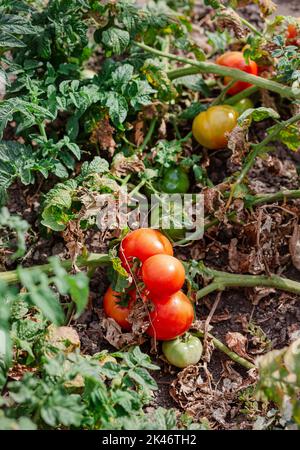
column 277, row 314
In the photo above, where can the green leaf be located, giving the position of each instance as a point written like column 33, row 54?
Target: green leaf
column 117, row 107
column 116, row 39
column 96, row 166
column 57, row 204
column 16, row 160
column 258, row 114
column 122, row 75
column 40, row 294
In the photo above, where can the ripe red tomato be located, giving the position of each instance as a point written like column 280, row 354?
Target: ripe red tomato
column 237, row 61
column 113, row 309
column 142, row 244
column 172, row 316
column 292, row 34
column 163, row 274
column 210, row 127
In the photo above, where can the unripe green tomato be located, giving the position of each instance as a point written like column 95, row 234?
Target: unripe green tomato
column 183, row 351
column 177, row 218
column 175, row 180
column 242, row 105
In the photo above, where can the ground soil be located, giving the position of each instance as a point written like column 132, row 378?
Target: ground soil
column 276, row 314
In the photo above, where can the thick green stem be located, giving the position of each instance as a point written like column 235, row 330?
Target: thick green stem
column 91, row 260
column 281, row 195
column 149, row 134
column 223, row 348
column 42, row 129
column 243, row 94
column 222, row 280
column 209, row 67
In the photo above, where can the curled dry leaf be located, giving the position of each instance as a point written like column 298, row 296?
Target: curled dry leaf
column 229, row 19
column 138, row 129
column 294, row 246
column 139, row 317
column 237, row 142
column 102, row 135
column 237, row 342
column 113, row 334
column 201, row 397
column 17, row 372
column 122, row 165
column 74, row 238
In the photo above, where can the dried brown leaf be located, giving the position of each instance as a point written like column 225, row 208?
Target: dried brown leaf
column 138, row 128
column 294, row 246
column 74, row 238
column 237, row 342
column 230, row 20
column 102, row 135
column 122, row 165
column 237, row 142
column 18, row 371
column 113, row 334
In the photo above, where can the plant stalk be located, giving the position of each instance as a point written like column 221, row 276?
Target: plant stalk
column 92, row 260
column 223, row 348
column 209, row 67
column 222, row 280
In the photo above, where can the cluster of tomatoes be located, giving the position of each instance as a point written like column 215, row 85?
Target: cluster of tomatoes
column 211, row 127
column 147, row 255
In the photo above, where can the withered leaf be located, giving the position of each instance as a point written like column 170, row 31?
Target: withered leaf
column 237, row 142
column 113, row 334
column 122, row 165
column 237, row 342
column 294, row 246
column 229, row 19
column 102, row 135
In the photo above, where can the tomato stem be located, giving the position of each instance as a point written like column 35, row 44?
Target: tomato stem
column 210, row 67
column 241, row 95
column 222, row 280
column 149, row 134
column 258, row 149
column 92, row 260
column 223, row 348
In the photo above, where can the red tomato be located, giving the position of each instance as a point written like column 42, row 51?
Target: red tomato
column 237, row 61
column 142, row 244
column 292, row 35
column 172, row 316
column 163, row 274
column 113, row 309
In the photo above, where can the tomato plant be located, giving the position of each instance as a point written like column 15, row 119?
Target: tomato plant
column 210, row 127
column 172, row 316
column 163, row 274
column 142, row 244
column 112, row 305
column 237, row 60
column 183, row 351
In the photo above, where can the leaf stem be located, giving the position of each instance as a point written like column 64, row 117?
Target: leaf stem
column 149, row 134
column 243, row 94
column 223, row 348
column 42, row 129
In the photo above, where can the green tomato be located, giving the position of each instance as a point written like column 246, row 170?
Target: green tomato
column 175, row 180
column 183, row 351
column 172, row 215
column 242, row 105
